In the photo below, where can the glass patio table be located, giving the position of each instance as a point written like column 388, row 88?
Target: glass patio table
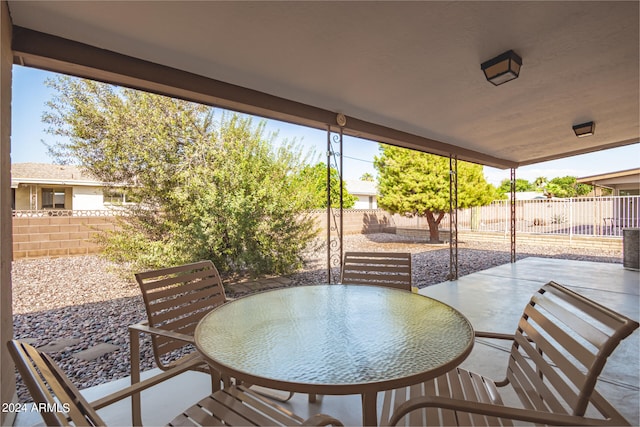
column 335, row 340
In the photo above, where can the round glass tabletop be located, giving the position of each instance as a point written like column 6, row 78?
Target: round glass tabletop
column 334, row 338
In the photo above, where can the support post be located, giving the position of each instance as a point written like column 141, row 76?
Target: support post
column 7, row 369
column 334, row 218
column 453, row 217
column 328, row 205
column 513, row 215
column 341, row 204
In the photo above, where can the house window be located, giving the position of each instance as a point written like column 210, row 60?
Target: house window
column 113, row 196
column 53, row 198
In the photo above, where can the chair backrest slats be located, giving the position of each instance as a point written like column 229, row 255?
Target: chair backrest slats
column 176, row 298
column 56, row 381
column 562, row 343
column 529, row 375
column 173, row 270
column 186, row 325
column 168, row 291
column 163, row 318
column 552, row 336
column 591, row 309
column 50, row 387
column 189, row 275
column 182, row 299
column 577, row 323
column 390, row 269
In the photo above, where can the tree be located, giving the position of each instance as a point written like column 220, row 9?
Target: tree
column 413, row 183
column 367, row 177
column 540, row 183
column 208, row 188
column 566, row 186
column 316, row 176
column 521, row 185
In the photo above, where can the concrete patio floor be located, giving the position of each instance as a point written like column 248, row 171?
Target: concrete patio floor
column 492, row 300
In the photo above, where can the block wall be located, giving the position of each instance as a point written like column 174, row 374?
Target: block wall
column 57, row 236
column 356, row 221
column 64, row 236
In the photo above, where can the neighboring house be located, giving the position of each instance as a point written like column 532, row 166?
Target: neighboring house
column 626, row 211
column 621, row 183
column 365, row 191
column 38, row 186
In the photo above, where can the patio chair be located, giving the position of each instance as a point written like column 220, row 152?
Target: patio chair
column 61, row 403
column 176, row 299
column 390, row 269
column 559, row 348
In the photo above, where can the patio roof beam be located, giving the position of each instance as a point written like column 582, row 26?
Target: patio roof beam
column 45, row 51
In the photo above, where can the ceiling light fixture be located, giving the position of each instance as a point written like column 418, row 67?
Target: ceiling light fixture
column 584, row 129
column 502, row 68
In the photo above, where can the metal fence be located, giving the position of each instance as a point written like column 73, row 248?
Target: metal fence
column 64, row 212
column 585, row 216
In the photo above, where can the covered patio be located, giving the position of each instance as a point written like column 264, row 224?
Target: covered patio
column 406, row 74
column 492, row 299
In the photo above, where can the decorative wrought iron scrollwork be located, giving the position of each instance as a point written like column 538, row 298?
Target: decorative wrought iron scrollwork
column 334, row 213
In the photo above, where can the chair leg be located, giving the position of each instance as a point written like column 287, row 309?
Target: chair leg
column 216, row 380
column 313, row 398
column 134, row 344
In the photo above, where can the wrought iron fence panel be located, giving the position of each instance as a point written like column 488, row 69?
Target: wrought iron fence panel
column 584, row 216
column 41, row 213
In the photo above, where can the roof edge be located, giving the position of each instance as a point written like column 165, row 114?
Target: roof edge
column 48, row 52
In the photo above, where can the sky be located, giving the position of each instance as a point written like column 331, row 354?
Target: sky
column 28, row 140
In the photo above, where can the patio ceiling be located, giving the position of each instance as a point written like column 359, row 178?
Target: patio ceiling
column 404, row 73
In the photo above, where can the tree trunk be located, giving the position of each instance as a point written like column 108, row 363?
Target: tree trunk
column 434, row 233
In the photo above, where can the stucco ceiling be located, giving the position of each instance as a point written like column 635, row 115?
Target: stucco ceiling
column 413, row 67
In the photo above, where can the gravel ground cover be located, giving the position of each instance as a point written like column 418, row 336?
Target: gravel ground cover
column 89, row 300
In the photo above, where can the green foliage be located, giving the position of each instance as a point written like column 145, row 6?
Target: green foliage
column 413, row 183
column 540, row 182
column 367, row 177
column 566, row 186
column 521, row 185
column 316, row 176
column 207, row 189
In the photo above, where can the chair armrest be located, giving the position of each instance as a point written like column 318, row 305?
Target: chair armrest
column 494, row 335
column 499, row 411
column 143, row 385
column 322, row 420
column 143, row 327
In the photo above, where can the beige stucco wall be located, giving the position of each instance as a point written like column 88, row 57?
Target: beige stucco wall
column 363, row 202
column 88, row 198
column 7, row 376
column 77, row 198
column 22, row 198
